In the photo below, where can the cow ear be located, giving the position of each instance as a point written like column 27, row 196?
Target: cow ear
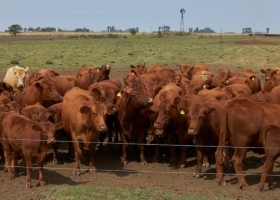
column 192, row 68
column 59, row 125
column 209, row 110
column 161, row 97
column 133, row 72
column 112, row 109
column 96, row 94
column 7, row 108
column 252, row 77
column 177, row 100
column 85, row 110
column 144, row 64
column 128, row 90
column 38, row 86
column 26, row 69
column 183, row 111
column 36, row 128
column 262, row 71
column 132, row 66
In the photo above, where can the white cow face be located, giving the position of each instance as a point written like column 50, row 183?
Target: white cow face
column 20, row 76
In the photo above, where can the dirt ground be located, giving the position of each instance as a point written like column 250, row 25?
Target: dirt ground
column 164, row 175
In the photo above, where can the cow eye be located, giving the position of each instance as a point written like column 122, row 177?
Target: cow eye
column 93, row 114
column 167, row 112
column 103, row 99
column 48, row 89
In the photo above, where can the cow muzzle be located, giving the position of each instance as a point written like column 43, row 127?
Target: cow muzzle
column 51, row 141
column 103, row 128
column 159, row 131
column 192, row 131
column 58, row 98
column 20, row 85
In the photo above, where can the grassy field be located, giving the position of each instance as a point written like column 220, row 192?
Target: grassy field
column 86, row 192
column 235, row 51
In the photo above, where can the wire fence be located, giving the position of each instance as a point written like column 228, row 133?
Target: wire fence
column 145, row 171
column 148, row 144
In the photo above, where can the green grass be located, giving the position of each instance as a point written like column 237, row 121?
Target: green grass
column 87, row 192
column 121, row 52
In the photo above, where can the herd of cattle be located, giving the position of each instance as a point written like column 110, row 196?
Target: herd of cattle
column 193, row 107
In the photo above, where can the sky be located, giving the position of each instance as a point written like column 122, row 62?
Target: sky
column 148, row 15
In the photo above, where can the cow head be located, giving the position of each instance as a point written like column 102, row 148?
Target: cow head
column 97, row 76
column 20, row 74
column 165, row 110
column 196, row 115
column 268, row 73
column 48, row 130
column 96, row 113
column 186, row 70
column 138, row 70
column 137, row 98
column 5, row 86
column 105, row 69
column 48, row 90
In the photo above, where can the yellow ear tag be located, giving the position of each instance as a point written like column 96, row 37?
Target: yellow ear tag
column 227, row 81
column 204, row 86
column 119, row 94
column 97, row 70
column 132, row 73
column 277, row 71
column 182, row 112
column 114, row 108
column 253, row 79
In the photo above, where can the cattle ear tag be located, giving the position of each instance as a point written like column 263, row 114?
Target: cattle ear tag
column 204, row 86
column 227, row 81
column 132, row 73
column 119, row 94
column 182, row 112
column 97, row 70
column 277, row 71
column 253, row 79
column 114, row 108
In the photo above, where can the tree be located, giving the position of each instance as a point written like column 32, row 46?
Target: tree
column 14, row 29
column 267, row 30
column 133, row 31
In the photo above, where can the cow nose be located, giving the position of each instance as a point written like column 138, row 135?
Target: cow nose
column 156, row 124
column 20, row 85
column 150, row 100
column 191, row 131
column 103, row 128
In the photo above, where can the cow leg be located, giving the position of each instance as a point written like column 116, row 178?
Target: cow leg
column 28, row 164
column 220, row 165
column 55, row 148
column 124, row 150
column 267, row 170
column 101, row 140
column 92, row 167
column 205, row 162
column 78, row 155
column 237, row 159
column 199, row 158
column 8, row 163
column 156, row 154
column 182, row 163
column 42, row 181
column 15, row 164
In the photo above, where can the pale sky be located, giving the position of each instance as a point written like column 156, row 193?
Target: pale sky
column 96, row 15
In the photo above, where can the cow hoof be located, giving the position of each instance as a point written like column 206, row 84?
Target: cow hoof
column 43, row 183
column 28, row 185
column 92, row 170
column 197, row 175
column 206, row 165
column 243, row 186
column 271, row 187
column 12, row 177
column 155, row 160
column 222, row 183
column 55, row 162
column 144, row 163
column 182, row 166
column 124, row 162
column 261, row 189
column 77, row 173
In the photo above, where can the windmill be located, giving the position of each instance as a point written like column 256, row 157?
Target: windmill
column 182, row 11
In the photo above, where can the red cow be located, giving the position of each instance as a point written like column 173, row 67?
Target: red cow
column 84, row 119
column 22, row 135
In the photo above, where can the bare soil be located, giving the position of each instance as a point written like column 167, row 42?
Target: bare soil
column 163, row 175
